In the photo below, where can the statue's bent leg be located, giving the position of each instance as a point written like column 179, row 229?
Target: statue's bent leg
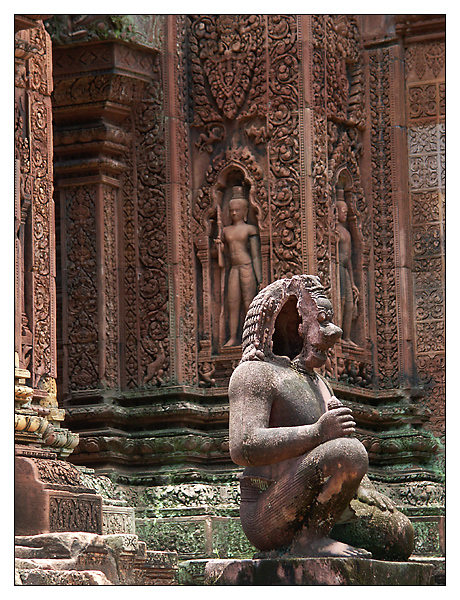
column 307, row 499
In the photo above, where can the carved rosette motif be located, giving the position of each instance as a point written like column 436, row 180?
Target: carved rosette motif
column 425, row 99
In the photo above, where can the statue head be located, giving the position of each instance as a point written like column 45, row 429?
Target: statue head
column 290, row 319
column 238, row 205
column 342, row 211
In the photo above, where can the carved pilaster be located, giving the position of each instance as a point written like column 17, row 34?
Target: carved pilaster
column 425, row 103
column 97, row 89
column 35, row 334
column 180, row 252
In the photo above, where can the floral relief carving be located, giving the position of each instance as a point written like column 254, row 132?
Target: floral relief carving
column 430, row 336
column 426, row 59
column 146, row 323
column 425, row 207
column 383, row 218
column 422, row 101
column 283, row 146
column 429, row 304
column 423, row 139
column 426, row 145
column 35, row 262
column 226, row 62
column 424, row 171
column 82, row 328
column 110, row 376
column 188, row 319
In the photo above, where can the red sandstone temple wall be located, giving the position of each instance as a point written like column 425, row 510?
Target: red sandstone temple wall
column 150, row 138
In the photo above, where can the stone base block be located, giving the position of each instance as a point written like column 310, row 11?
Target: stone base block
column 429, row 535
column 304, row 571
column 49, row 497
column 118, row 519
column 51, row 577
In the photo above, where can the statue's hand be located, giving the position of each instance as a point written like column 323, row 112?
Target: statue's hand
column 369, row 495
column 335, row 423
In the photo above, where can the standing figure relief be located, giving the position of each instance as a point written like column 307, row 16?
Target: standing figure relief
column 240, row 244
column 349, row 293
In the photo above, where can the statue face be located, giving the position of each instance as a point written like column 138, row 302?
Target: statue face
column 342, row 211
column 238, row 209
column 317, row 331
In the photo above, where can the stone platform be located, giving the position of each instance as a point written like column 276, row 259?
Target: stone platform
column 304, row 571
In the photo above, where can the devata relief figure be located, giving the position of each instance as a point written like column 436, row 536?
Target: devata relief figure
column 349, row 293
column 240, row 241
column 304, row 470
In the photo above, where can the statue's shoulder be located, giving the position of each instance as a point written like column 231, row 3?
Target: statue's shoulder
column 251, row 371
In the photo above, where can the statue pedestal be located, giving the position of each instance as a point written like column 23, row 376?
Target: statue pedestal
column 304, row 571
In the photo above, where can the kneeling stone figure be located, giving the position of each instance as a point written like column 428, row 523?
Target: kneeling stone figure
column 304, row 489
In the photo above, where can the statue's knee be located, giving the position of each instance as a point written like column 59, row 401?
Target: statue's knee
column 351, row 455
column 343, row 456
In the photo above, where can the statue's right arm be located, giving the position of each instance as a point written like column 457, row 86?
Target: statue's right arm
column 252, row 441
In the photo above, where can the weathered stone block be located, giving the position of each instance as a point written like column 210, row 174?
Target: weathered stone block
column 429, row 535
column 50, row 497
column 118, row 519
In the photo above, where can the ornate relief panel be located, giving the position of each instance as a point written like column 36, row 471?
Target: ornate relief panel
column 425, row 98
column 146, row 322
column 110, row 166
column 244, row 116
column 383, row 216
column 337, row 90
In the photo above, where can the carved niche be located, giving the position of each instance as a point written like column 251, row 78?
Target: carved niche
column 244, row 94
column 211, row 215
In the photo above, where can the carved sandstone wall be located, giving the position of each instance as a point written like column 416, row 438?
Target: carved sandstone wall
column 156, row 119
